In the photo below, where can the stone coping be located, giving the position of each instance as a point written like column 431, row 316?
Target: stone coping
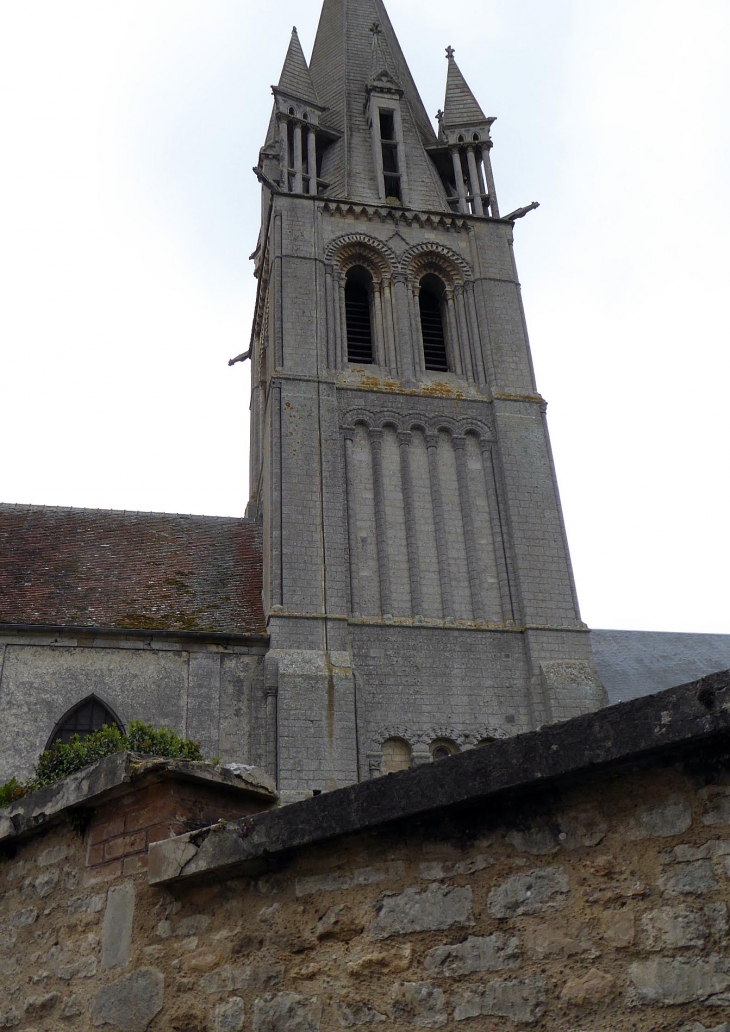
column 660, row 728
column 114, row 776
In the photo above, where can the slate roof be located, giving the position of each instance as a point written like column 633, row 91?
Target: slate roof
column 341, row 68
column 461, row 106
column 295, row 78
column 93, row 568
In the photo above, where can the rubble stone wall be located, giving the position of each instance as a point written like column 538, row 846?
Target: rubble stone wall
column 602, row 908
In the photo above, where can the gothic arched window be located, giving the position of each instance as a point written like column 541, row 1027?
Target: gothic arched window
column 431, row 304
column 89, row 715
column 358, row 291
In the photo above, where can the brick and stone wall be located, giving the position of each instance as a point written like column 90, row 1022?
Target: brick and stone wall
column 597, row 902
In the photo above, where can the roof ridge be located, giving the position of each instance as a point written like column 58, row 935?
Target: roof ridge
column 30, row 507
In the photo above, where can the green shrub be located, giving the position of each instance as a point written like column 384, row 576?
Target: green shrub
column 10, row 792
column 61, row 760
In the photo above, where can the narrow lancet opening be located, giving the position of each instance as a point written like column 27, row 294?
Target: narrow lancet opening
column 391, row 164
column 358, row 291
column 431, row 303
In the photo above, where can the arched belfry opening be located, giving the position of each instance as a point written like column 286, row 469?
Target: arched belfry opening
column 431, row 303
column 89, row 715
column 358, row 315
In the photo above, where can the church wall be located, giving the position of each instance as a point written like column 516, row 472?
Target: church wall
column 602, row 906
column 423, row 684
column 204, row 693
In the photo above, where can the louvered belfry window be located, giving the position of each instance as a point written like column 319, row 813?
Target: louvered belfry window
column 90, row 715
column 432, row 325
column 358, row 288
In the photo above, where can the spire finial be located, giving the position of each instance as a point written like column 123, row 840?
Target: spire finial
column 376, row 29
column 450, row 53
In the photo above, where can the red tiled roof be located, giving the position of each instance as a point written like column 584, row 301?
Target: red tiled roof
column 93, row 568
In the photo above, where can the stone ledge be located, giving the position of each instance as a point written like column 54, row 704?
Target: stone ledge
column 114, row 776
column 657, row 729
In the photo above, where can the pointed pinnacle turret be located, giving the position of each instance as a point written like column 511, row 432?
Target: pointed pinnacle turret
column 460, row 107
column 296, row 80
column 380, row 71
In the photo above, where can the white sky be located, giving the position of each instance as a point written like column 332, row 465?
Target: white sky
column 128, row 209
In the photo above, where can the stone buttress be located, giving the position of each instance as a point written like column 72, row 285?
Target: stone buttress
column 417, row 581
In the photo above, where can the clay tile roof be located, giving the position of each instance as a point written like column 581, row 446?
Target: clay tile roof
column 91, row 568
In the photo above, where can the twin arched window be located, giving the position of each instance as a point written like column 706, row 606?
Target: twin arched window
column 359, row 322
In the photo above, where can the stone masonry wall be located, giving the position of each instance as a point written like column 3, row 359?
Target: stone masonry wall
column 603, row 907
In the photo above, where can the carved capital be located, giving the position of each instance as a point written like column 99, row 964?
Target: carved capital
column 432, row 440
column 458, row 442
column 376, row 436
column 348, row 433
column 405, row 438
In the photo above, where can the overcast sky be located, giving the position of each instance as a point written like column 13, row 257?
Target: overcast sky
column 128, row 210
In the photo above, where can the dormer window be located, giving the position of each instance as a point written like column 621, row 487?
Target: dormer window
column 391, row 164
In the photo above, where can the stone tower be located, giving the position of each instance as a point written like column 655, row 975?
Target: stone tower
column 417, row 582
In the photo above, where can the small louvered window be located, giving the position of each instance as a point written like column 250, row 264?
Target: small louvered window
column 90, row 715
column 432, row 325
column 358, row 289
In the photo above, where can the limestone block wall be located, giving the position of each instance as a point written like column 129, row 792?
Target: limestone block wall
column 599, row 907
column 211, row 693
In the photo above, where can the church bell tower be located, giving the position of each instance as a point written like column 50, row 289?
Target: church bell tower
column 417, row 581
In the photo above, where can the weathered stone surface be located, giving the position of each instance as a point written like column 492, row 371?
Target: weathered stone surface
column 253, row 976
column 519, row 1000
column 130, row 1003
column 697, row 1027
column 71, row 1007
column 672, row 817
column 693, row 879
column 65, row 964
column 322, row 883
column 39, row 1006
column 287, row 1012
column 46, row 883
column 54, row 855
column 543, row 939
column 492, row 953
column 680, row 980
column 716, row 915
column 539, row 840
column 415, row 911
column 419, row 1003
column 619, row 928
column 9, row 1018
column 387, row 962
column 339, row 924
column 673, row 927
column 717, row 805
column 590, row 988
column 23, row 918
column 531, row 893
column 230, row 1016
column 581, row 828
column 116, row 931
column 354, row 1014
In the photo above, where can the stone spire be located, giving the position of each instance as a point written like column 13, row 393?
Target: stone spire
column 296, row 80
column 349, row 60
column 460, row 107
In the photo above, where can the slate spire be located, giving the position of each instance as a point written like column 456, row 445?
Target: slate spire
column 461, row 106
column 356, row 51
column 296, row 80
